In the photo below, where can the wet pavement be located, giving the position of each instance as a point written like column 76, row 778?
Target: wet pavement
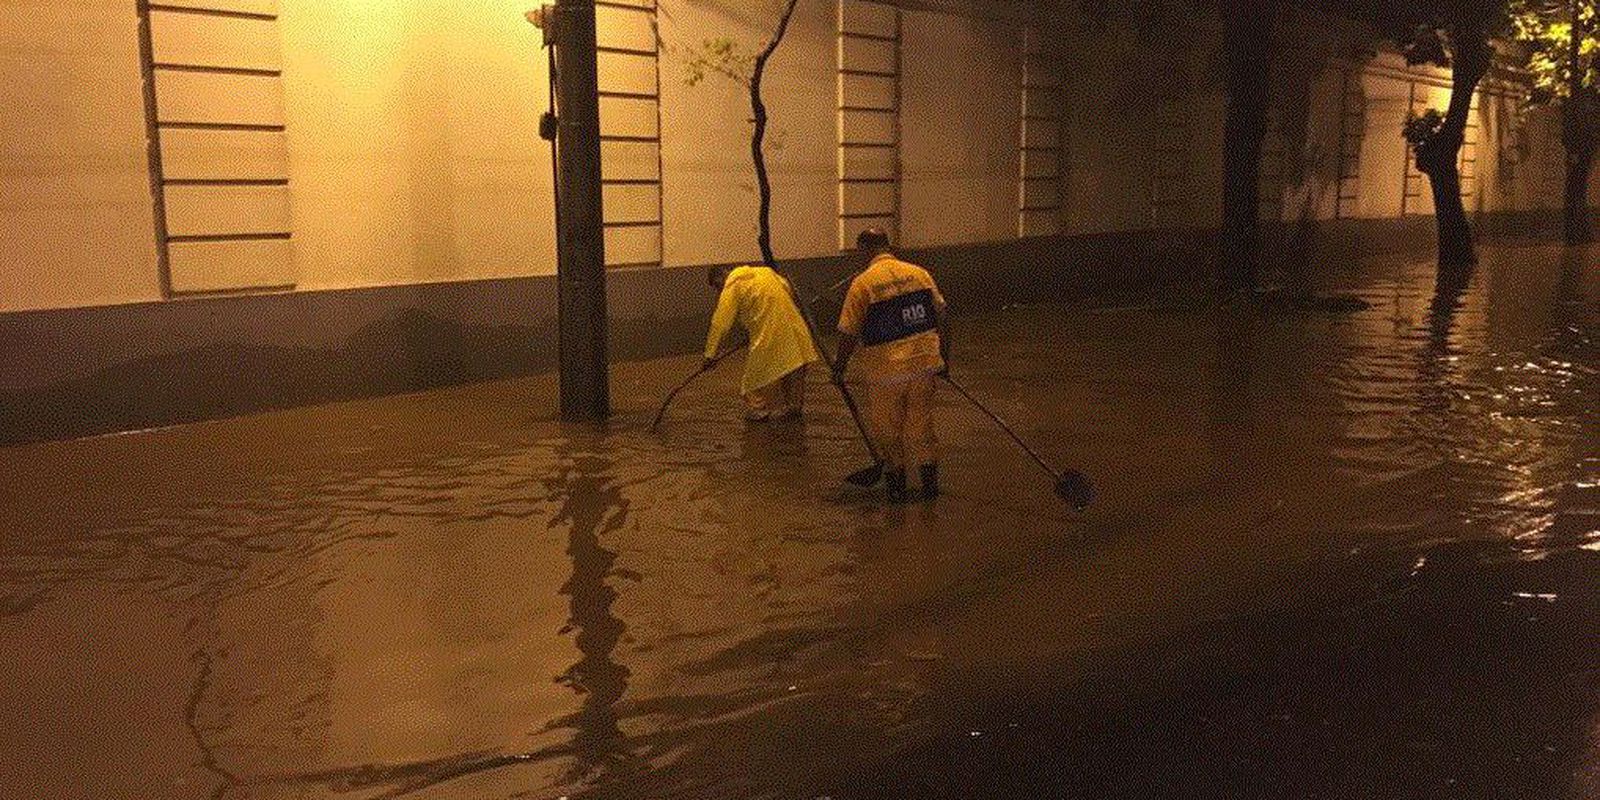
column 1334, row 556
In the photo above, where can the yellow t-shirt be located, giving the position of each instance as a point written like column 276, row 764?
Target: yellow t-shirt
column 892, row 307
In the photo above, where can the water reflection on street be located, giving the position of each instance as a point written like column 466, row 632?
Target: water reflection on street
column 1352, row 555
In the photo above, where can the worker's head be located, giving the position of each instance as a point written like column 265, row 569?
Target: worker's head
column 872, row 241
column 718, row 275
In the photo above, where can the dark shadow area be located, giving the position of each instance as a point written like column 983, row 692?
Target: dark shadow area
column 1455, row 679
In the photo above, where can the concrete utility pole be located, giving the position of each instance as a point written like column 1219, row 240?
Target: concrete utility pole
column 569, row 27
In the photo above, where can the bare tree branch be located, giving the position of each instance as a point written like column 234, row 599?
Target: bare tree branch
column 758, row 137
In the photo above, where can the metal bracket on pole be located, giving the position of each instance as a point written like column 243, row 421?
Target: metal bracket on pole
column 544, row 18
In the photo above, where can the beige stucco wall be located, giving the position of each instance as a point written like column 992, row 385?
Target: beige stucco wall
column 412, row 153
column 961, row 114
column 74, row 180
column 413, row 141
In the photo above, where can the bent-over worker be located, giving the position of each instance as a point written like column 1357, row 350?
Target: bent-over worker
column 761, row 301
column 894, row 314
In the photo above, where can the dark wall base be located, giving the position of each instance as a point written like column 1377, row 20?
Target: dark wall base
column 77, row 372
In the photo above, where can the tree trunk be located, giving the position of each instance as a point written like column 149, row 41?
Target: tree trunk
column 1580, row 135
column 758, row 137
column 1439, row 157
column 1455, row 231
column 1248, row 41
column 1580, row 165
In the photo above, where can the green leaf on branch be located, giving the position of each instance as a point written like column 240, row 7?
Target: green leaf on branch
column 1545, row 36
column 719, row 56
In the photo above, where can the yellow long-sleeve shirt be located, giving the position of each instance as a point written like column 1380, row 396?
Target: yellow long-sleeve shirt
column 759, row 299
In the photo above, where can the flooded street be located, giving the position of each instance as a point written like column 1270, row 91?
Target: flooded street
column 1333, row 556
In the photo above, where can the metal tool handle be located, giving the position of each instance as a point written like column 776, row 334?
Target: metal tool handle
column 1038, row 459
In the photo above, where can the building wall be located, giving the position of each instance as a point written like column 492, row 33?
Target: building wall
column 74, row 179
column 409, row 146
column 962, row 125
column 357, row 200
column 413, row 142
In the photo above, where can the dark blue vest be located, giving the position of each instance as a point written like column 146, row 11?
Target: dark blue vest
column 899, row 317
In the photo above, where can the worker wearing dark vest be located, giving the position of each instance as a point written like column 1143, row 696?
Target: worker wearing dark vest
column 894, row 316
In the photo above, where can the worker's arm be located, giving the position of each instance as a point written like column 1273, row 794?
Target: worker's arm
column 847, row 348
column 721, row 322
column 851, row 317
column 941, row 324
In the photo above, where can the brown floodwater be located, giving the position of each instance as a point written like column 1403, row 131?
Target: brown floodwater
column 1333, row 556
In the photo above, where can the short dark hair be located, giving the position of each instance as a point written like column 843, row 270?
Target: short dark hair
column 872, row 240
column 718, row 275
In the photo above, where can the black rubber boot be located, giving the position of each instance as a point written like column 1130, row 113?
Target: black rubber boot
column 930, row 481
column 894, row 484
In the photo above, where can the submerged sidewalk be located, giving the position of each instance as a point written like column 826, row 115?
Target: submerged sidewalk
column 1333, row 556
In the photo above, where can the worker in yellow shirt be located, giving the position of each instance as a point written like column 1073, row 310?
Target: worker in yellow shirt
column 894, row 315
column 761, row 301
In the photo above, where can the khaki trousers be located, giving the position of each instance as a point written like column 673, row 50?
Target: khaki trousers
column 784, row 397
column 900, row 419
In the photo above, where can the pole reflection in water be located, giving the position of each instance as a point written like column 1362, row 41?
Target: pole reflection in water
column 1232, row 406
column 593, row 507
column 1569, row 284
